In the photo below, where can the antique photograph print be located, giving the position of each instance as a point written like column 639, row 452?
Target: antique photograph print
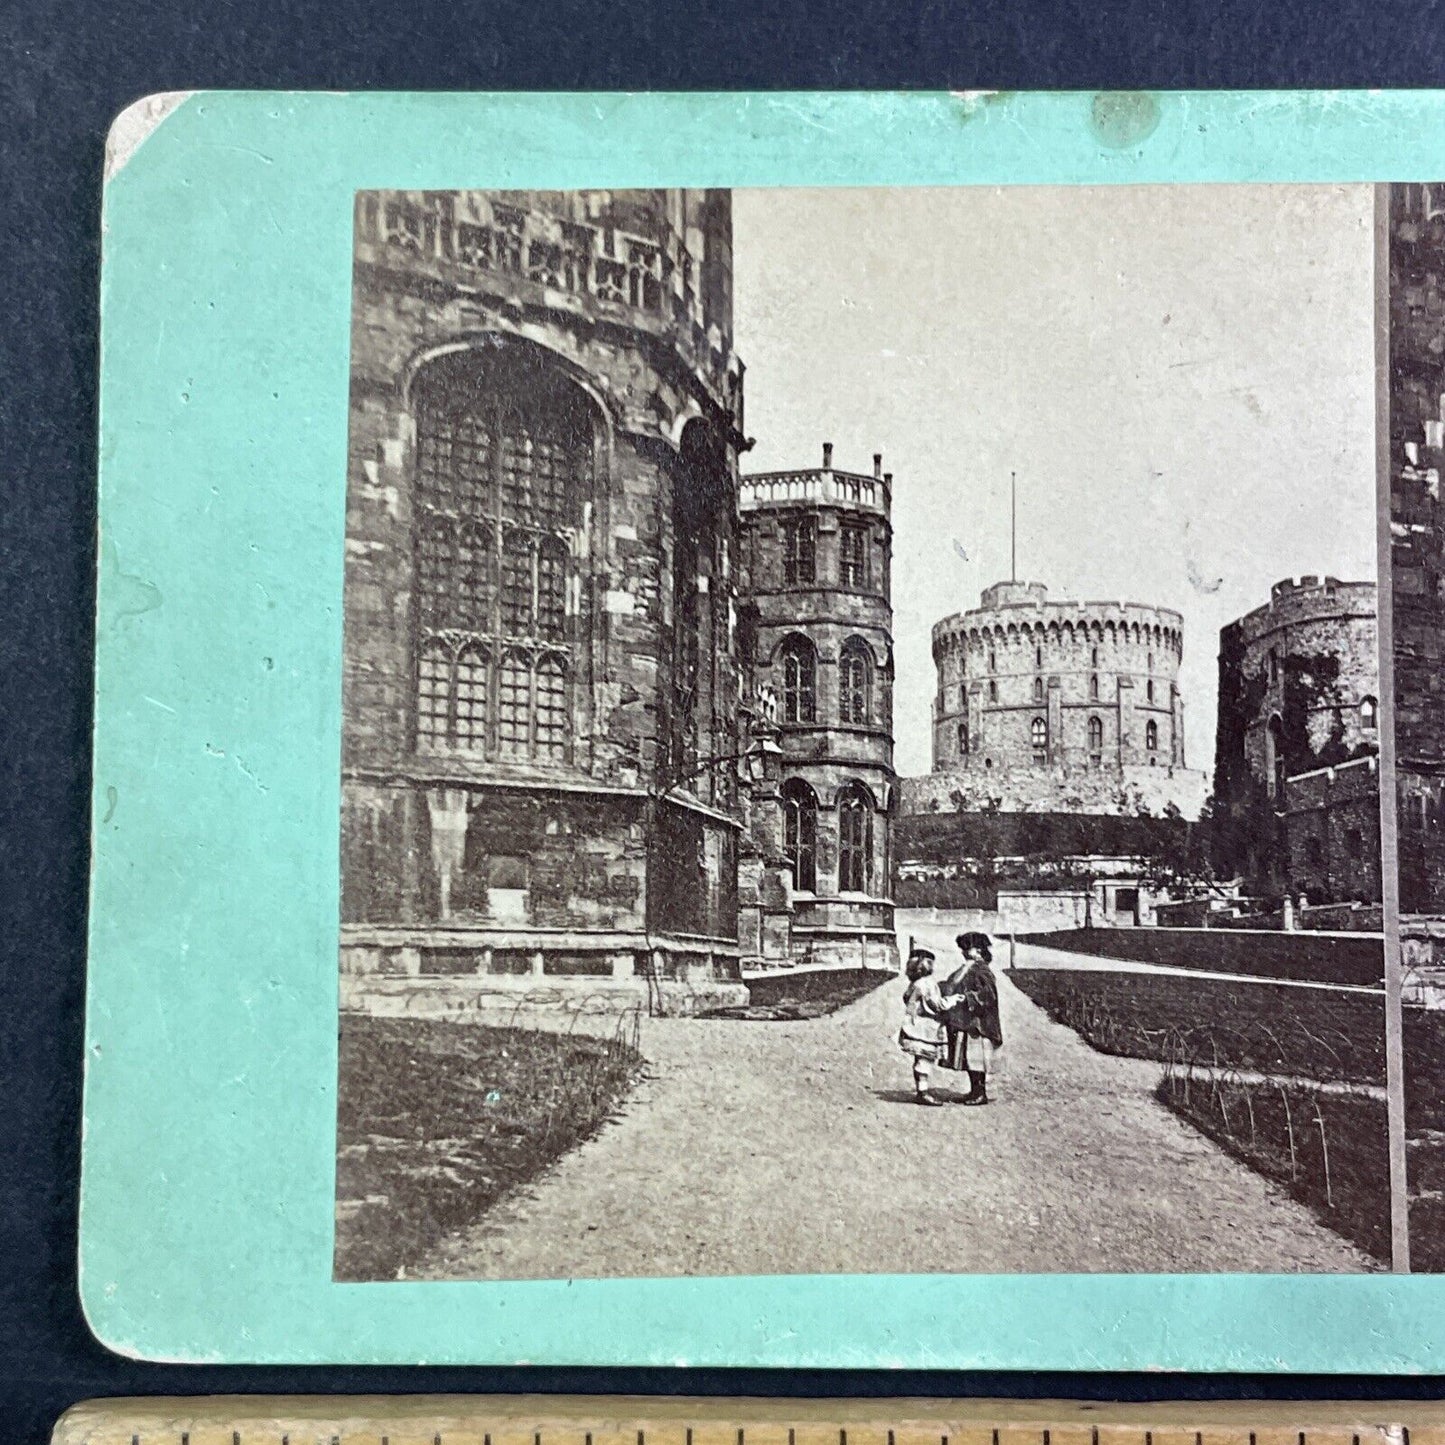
column 861, row 721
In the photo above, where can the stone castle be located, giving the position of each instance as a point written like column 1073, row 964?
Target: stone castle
column 555, row 678
column 1296, row 780
column 542, row 532
column 1417, row 546
column 1046, row 706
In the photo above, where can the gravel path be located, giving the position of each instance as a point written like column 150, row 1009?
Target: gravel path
column 785, row 1148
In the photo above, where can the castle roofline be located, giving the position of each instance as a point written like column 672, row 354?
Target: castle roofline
column 810, row 472
column 1099, row 609
column 826, row 485
column 1290, row 590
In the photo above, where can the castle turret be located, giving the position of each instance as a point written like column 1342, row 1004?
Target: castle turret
column 1295, row 765
column 1051, row 705
column 817, row 559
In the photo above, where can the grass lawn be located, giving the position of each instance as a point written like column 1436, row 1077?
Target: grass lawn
column 805, row 995
column 1353, row 958
column 1425, row 1133
column 1305, row 1032
column 1328, row 1150
column 438, row 1120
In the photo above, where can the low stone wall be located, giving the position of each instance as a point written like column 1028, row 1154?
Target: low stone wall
column 1325, row 918
column 588, row 1005
column 1348, row 958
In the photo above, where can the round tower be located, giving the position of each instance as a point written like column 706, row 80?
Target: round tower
column 817, row 549
column 1053, row 705
column 1299, row 681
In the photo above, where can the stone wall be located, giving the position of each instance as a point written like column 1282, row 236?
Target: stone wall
column 1332, row 828
column 1124, row 792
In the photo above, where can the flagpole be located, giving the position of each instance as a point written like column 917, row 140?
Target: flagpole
column 1013, row 527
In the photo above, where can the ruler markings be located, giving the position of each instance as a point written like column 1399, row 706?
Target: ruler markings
column 378, row 1421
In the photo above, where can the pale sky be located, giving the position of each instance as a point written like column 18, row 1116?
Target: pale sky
column 1182, row 377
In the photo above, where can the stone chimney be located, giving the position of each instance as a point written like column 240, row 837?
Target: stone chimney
column 877, row 466
column 827, row 456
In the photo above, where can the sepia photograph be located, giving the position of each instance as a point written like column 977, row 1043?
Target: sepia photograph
column 861, row 732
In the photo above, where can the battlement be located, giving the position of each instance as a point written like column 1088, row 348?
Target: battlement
column 1297, row 600
column 1024, row 612
column 1307, row 583
column 1016, row 594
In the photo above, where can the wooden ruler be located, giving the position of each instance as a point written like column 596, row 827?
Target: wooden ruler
column 638, row 1420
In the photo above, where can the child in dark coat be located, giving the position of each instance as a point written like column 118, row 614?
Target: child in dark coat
column 970, row 994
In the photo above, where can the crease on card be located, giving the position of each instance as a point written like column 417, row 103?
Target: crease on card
column 136, row 124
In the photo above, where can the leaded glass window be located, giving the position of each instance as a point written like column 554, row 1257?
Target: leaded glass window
column 800, row 550
column 503, row 468
column 855, row 841
column 799, row 681
column 853, row 688
column 800, row 833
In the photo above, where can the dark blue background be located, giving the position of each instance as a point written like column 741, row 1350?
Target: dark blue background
column 65, row 70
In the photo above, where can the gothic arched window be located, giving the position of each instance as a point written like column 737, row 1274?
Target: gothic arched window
column 1096, row 735
column 1094, row 687
column 800, row 669
column 800, row 833
column 503, row 468
column 1369, row 713
column 800, row 550
column 1038, row 689
column 1151, row 735
column 854, row 683
column 855, row 840
column 1274, row 757
column 1039, row 739
column 963, row 739
column 853, row 556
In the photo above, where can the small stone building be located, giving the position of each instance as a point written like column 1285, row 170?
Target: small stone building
column 817, row 549
column 540, row 592
column 1296, row 779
